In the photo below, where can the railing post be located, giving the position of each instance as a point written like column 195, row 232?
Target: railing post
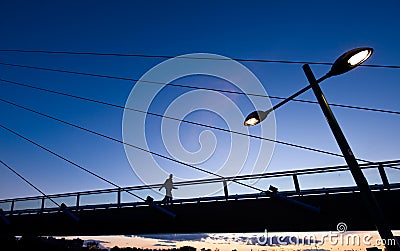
column 384, row 178
column 78, row 198
column 12, row 207
column 296, row 184
column 119, row 197
column 43, row 202
column 225, row 189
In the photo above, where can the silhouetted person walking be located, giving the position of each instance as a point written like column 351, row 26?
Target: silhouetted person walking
column 168, row 185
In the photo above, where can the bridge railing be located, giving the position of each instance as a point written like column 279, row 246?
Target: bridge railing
column 292, row 183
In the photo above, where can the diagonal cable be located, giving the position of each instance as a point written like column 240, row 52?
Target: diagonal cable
column 65, row 159
column 167, row 117
column 86, row 170
column 196, row 88
column 112, row 139
column 125, row 143
column 188, row 57
column 28, row 182
column 268, row 193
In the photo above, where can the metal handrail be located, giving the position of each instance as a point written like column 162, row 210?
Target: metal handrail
column 293, row 173
column 323, row 191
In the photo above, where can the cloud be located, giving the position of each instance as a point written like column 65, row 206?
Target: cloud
column 175, row 237
column 99, row 242
column 167, row 241
column 220, row 238
column 164, row 245
column 260, row 240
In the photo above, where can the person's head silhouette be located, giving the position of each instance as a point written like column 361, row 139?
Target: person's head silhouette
column 170, row 176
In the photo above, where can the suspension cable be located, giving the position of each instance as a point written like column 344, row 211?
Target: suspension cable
column 189, row 57
column 171, row 118
column 196, row 88
column 28, row 182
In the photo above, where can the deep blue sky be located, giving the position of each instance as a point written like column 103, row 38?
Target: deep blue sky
column 284, row 30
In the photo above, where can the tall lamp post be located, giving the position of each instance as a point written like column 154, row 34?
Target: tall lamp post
column 344, row 63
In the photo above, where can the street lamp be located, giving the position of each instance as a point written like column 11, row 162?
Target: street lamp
column 344, row 63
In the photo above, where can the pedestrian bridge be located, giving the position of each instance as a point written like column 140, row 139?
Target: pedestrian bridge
column 316, row 209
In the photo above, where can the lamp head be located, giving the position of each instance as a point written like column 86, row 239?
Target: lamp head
column 256, row 117
column 350, row 60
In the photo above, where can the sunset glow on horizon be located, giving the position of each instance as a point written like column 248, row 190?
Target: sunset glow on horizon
column 357, row 240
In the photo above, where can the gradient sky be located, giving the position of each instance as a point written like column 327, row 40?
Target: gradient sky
column 310, row 31
column 317, row 31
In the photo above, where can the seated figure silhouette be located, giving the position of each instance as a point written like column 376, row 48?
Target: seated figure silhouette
column 168, row 185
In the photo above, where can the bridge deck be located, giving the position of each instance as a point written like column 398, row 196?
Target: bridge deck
column 244, row 213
